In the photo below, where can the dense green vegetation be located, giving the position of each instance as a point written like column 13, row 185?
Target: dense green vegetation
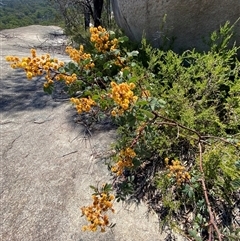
column 18, row 13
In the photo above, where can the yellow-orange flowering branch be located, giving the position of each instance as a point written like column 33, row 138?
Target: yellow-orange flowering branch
column 122, row 95
column 96, row 213
column 124, row 160
column 101, row 38
column 83, row 104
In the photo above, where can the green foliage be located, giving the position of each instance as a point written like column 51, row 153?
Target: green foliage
column 194, row 97
column 187, row 109
column 17, row 13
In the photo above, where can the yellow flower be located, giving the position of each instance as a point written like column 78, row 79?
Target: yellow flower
column 130, row 152
column 24, row 64
column 8, row 58
column 33, row 52
column 96, row 213
column 166, row 161
column 177, row 171
column 101, row 38
column 83, row 104
column 132, row 86
column 114, row 113
column 29, row 75
column 46, row 85
column 124, row 160
column 14, row 66
column 123, row 95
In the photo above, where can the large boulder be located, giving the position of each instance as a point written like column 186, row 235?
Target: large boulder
column 187, row 21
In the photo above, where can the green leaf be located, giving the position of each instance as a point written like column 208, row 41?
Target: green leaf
column 189, row 191
column 131, row 120
column 71, row 66
column 232, row 140
column 147, row 113
column 122, row 39
column 194, row 234
column 154, row 103
column 133, row 80
column 86, row 61
column 162, row 103
column 132, row 54
column 94, row 188
column 141, row 103
column 95, row 97
column 140, row 117
column 136, row 162
column 62, row 70
column 48, row 89
column 107, row 187
column 115, row 52
column 107, row 65
column 126, row 72
column 111, row 33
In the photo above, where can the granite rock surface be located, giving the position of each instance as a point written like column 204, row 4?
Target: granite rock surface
column 183, row 23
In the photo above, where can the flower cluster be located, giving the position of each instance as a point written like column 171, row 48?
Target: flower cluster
column 68, row 79
column 124, row 160
column 83, row 104
column 123, row 95
column 177, row 171
column 96, row 213
column 80, row 55
column 102, row 41
column 37, row 65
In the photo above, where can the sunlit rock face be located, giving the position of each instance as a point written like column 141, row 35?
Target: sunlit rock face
column 188, row 22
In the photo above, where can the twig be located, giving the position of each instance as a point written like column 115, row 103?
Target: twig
column 212, row 223
column 69, row 153
column 141, row 130
column 174, row 123
column 211, row 216
column 218, row 138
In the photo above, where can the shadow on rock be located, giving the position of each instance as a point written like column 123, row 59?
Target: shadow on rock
column 19, row 94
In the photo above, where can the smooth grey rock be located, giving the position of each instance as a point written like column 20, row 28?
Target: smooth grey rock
column 189, row 21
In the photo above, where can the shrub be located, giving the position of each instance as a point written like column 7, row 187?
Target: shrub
column 177, row 118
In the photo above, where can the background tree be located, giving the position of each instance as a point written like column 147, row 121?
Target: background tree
column 19, row 13
column 97, row 4
column 80, row 14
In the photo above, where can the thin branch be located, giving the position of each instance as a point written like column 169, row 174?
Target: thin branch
column 141, row 130
column 174, row 123
column 211, row 216
column 170, row 122
column 218, row 138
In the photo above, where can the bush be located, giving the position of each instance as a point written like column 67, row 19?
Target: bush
column 177, row 118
